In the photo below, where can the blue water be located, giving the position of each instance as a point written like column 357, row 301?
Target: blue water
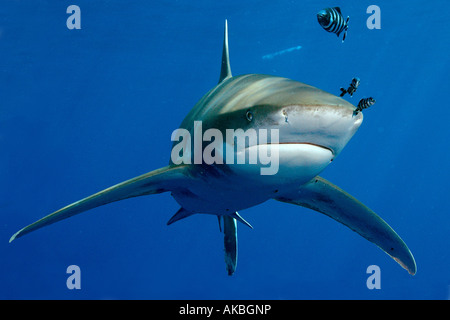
column 81, row 110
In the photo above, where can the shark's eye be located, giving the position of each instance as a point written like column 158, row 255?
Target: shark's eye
column 249, row 115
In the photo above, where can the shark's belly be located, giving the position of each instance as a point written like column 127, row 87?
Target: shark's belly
column 228, row 188
column 216, row 197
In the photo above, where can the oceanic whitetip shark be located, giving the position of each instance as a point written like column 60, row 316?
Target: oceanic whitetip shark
column 313, row 127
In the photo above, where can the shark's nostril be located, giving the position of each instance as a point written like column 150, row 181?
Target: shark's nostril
column 285, row 116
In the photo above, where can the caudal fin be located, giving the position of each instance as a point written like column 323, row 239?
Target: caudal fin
column 230, row 243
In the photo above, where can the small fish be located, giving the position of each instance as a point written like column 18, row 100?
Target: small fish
column 364, row 104
column 331, row 20
column 352, row 88
column 272, row 55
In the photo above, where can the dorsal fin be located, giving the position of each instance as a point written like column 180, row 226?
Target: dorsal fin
column 338, row 9
column 225, row 70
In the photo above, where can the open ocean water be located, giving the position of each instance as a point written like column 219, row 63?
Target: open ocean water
column 83, row 109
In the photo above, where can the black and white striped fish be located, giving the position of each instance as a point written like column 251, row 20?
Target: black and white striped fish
column 364, row 104
column 352, row 88
column 331, row 20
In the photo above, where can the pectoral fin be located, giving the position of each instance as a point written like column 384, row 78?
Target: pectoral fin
column 322, row 196
column 157, row 181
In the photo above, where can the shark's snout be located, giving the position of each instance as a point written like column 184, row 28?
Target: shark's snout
column 329, row 126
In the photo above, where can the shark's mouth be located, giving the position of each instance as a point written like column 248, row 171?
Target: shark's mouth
column 308, row 143
column 301, row 143
column 297, row 160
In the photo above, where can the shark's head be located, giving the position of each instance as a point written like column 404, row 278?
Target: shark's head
column 302, row 114
column 293, row 129
column 261, row 125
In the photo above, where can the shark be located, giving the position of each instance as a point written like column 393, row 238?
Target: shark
column 313, row 127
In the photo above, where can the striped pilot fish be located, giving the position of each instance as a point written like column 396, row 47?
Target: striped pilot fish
column 364, row 104
column 352, row 88
column 331, row 20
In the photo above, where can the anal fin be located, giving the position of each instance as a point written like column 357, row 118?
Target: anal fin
column 236, row 216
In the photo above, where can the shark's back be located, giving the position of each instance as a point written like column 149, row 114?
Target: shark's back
column 245, row 91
